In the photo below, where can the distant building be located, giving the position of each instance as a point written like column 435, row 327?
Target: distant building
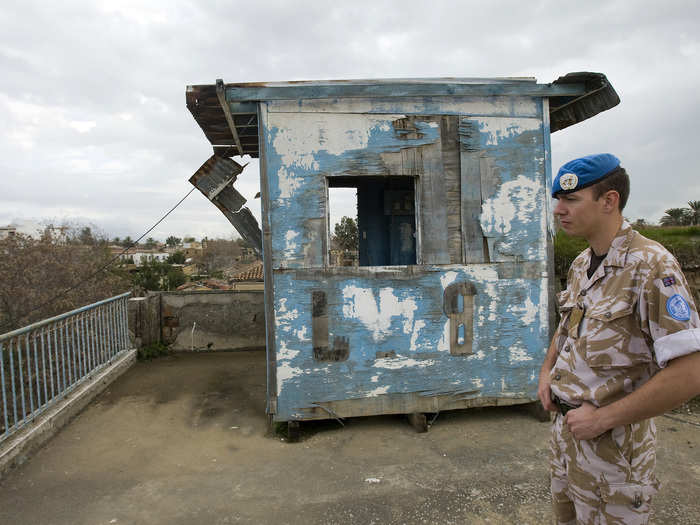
column 141, row 257
column 7, row 231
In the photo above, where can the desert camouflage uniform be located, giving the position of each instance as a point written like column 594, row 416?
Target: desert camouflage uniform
column 626, row 334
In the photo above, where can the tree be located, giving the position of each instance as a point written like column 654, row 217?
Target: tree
column 173, row 241
column 40, row 278
column 640, row 223
column 218, row 255
column 150, row 243
column 676, row 217
column 156, row 275
column 345, row 234
column 188, row 239
column 176, row 258
column 694, row 211
column 85, row 236
column 127, row 241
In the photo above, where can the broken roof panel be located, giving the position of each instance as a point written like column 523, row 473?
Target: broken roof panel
column 228, row 113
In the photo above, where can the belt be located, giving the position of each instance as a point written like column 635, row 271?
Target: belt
column 563, row 406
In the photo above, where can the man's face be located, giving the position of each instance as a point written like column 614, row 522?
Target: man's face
column 578, row 213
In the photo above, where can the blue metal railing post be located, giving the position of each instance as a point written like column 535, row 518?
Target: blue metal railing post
column 2, row 385
column 72, row 346
column 36, row 372
column 43, row 366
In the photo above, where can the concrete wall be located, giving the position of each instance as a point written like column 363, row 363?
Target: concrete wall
column 200, row 320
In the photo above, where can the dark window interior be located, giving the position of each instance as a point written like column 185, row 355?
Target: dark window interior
column 386, row 218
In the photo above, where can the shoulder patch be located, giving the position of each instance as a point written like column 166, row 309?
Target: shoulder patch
column 678, row 308
column 669, row 281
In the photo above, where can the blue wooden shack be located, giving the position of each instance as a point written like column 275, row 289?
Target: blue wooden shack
column 451, row 303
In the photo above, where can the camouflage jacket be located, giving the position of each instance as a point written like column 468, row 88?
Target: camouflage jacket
column 622, row 325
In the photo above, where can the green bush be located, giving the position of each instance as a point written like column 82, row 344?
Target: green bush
column 682, row 241
column 152, row 351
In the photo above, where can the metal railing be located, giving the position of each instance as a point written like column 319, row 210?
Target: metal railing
column 42, row 362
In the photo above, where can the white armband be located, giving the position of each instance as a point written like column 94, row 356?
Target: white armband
column 676, row 344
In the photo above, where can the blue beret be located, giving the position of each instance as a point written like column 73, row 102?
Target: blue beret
column 580, row 173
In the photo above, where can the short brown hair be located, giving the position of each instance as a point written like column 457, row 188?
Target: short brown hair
column 618, row 181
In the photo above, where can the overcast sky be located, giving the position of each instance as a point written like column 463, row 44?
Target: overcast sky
column 95, row 127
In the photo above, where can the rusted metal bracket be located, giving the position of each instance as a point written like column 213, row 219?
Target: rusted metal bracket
column 221, row 95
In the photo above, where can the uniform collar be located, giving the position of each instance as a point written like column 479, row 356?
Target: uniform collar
column 617, row 254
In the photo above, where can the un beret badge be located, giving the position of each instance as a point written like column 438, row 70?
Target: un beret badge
column 568, row 181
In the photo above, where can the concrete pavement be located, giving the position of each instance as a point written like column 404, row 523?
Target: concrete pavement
column 182, row 440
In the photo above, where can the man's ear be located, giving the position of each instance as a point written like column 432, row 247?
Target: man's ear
column 611, row 200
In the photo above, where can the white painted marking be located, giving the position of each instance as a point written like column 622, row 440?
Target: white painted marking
column 378, row 391
column 544, row 303
column 301, row 334
column 377, row 316
column 478, row 355
column 285, row 373
column 515, row 199
column 417, row 326
column 443, row 344
column 518, row 353
column 448, row 278
column 526, row 312
column 395, row 363
column 288, row 183
column 290, row 246
column 499, row 129
column 286, row 354
column 301, row 135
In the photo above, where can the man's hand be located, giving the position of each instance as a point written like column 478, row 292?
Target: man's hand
column 545, row 393
column 583, row 422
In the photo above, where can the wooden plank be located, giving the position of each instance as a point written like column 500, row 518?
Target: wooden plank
column 434, row 249
column 402, row 404
column 472, row 236
column 261, row 92
column 452, row 176
column 271, row 344
column 471, row 192
column 220, row 93
column 473, row 106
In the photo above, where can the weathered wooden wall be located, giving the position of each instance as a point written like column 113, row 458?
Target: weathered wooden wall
column 351, row 341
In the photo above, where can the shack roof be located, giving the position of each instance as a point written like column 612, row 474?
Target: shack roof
column 228, row 113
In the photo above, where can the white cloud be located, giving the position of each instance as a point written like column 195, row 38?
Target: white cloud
column 119, row 100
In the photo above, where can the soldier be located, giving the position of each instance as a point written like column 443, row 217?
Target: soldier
column 625, row 350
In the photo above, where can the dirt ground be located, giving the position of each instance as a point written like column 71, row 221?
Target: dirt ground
column 182, row 440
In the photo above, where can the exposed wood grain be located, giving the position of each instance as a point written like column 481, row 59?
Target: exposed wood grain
column 452, row 176
column 227, row 113
column 434, row 249
column 472, row 236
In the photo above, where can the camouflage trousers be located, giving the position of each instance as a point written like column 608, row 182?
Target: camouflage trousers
column 605, row 480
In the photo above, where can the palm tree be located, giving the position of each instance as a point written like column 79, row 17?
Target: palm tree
column 676, row 217
column 694, row 212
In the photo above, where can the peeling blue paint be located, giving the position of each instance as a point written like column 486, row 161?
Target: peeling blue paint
column 392, row 317
column 507, row 350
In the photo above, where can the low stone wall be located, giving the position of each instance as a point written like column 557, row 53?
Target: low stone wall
column 200, row 320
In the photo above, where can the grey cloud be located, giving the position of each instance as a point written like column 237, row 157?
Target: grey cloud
column 124, row 66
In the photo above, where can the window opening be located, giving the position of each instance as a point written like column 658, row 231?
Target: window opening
column 342, row 212
column 385, row 218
